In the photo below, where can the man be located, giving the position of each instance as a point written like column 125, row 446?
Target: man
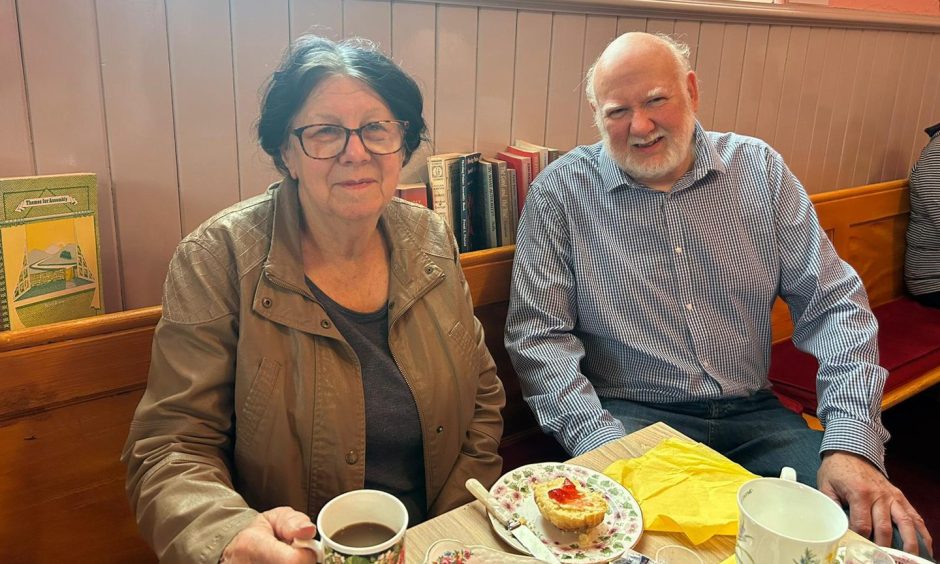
column 646, row 267
column 922, row 260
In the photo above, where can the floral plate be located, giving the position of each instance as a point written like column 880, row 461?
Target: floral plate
column 619, row 531
column 450, row 551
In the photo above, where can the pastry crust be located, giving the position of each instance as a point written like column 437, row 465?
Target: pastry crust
column 583, row 512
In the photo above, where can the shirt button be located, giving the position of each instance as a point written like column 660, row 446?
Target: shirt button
column 679, row 250
column 688, row 307
column 352, row 457
column 325, row 323
column 705, row 363
column 266, row 302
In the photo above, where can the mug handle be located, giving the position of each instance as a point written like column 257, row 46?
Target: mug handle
column 787, row 473
column 311, row 544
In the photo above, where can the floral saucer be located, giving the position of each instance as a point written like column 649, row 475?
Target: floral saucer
column 619, row 531
column 450, row 551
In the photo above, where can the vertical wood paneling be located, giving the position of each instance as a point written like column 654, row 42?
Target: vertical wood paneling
column 138, row 102
column 661, row 26
column 322, row 17
column 203, row 107
column 413, row 36
column 165, row 112
column 565, row 80
column 775, row 61
column 840, row 81
column 881, row 95
column 708, row 61
column 687, row 32
column 745, row 121
column 63, row 81
column 625, row 25
column 789, row 108
column 495, row 70
column 16, row 151
column 371, row 19
column 260, row 33
column 798, row 155
column 533, row 45
column 909, row 87
column 727, row 94
column 598, row 33
column 861, row 90
column 456, row 78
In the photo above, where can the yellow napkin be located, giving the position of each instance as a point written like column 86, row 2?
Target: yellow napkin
column 684, row 487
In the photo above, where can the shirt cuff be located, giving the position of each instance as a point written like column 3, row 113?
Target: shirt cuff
column 857, row 437
column 597, row 438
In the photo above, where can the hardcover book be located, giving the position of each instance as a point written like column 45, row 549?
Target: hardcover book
column 416, row 192
column 49, row 252
column 444, row 178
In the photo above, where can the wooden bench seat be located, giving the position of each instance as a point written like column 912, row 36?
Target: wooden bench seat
column 68, row 392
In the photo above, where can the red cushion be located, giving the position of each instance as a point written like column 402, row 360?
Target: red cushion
column 908, row 338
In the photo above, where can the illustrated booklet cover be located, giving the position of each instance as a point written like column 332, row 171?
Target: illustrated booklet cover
column 49, row 255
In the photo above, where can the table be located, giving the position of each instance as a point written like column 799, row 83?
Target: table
column 470, row 525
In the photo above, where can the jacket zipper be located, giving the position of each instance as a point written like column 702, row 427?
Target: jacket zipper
column 424, row 438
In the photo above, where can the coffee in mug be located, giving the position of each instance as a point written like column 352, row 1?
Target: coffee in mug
column 360, row 526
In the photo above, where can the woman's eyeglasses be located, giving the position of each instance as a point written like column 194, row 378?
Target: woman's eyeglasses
column 327, row 140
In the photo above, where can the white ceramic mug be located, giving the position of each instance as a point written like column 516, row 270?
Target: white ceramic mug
column 781, row 520
column 356, row 508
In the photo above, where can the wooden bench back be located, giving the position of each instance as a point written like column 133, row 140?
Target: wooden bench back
column 68, row 391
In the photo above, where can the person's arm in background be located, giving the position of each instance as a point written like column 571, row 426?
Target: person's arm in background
column 833, row 322
column 540, row 339
column 178, row 452
column 925, row 183
column 478, row 456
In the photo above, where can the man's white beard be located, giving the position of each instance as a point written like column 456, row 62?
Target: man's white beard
column 646, row 169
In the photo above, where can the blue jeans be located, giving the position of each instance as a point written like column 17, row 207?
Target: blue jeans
column 757, row 432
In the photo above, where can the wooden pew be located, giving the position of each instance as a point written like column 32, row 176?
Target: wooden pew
column 68, row 392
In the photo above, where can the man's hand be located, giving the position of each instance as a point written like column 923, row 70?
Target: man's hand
column 268, row 539
column 873, row 501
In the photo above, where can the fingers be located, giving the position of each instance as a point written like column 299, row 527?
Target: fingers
column 289, row 524
column 860, row 515
column 881, row 512
column 256, row 543
column 910, row 523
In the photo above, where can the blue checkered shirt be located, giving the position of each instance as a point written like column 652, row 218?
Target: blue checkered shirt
column 621, row 291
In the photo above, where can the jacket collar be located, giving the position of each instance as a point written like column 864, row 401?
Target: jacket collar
column 412, row 271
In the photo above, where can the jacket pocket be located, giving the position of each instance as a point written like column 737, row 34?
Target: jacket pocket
column 256, row 404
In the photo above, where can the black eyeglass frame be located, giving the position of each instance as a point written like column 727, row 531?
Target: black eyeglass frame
column 358, row 131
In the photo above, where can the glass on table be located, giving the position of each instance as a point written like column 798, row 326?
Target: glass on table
column 676, row 554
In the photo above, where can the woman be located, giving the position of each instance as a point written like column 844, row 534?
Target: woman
column 316, row 339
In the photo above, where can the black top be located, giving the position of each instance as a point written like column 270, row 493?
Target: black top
column 394, row 449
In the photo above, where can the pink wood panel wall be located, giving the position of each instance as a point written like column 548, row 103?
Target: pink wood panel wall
column 160, row 97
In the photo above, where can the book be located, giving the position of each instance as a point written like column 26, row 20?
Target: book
column 505, row 214
column 522, row 167
column 535, row 159
column 415, row 192
column 468, row 198
column 444, row 175
column 548, row 154
column 50, row 268
column 488, row 209
column 513, row 202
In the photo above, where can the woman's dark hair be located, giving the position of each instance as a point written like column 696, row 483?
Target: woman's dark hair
column 311, row 59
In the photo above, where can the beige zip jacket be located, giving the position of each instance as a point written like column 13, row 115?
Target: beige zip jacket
column 255, row 400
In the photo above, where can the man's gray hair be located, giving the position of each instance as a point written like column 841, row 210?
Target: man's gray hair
column 680, row 50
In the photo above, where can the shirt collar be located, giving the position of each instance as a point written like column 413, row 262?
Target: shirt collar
column 706, row 160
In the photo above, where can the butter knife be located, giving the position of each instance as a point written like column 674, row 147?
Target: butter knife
column 520, row 531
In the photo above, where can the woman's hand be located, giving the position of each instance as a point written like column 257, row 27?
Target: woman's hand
column 268, row 539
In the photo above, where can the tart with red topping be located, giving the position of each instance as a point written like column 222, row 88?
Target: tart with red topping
column 568, row 506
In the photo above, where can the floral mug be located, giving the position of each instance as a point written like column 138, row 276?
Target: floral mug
column 360, row 527
column 781, row 520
